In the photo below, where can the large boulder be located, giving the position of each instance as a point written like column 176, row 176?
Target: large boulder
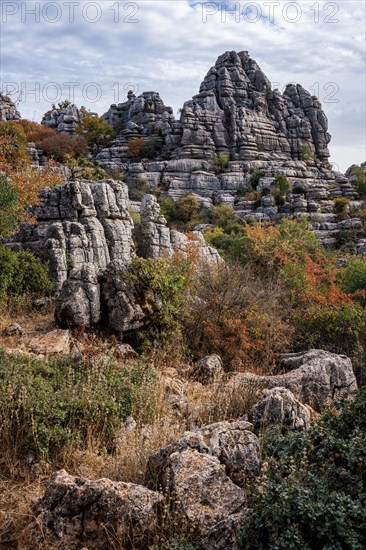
column 279, row 406
column 233, row 443
column 77, row 512
column 208, row 370
column 317, row 377
column 78, row 303
column 200, row 491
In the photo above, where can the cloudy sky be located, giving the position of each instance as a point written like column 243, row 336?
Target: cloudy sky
column 93, row 52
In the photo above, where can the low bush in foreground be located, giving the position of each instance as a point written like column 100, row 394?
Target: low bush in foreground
column 46, row 407
column 313, row 494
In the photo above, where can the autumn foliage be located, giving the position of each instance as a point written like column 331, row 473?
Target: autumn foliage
column 20, row 183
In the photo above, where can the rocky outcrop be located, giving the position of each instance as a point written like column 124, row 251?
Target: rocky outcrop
column 85, row 233
column 317, row 377
column 8, row 109
column 279, row 406
column 62, row 119
column 232, row 443
column 76, row 511
column 235, row 113
column 223, row 535
column 78, row 224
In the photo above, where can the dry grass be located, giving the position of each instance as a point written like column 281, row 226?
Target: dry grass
column 32, row 322
column 16, row 499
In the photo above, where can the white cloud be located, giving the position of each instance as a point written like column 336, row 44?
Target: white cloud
column 171, row 48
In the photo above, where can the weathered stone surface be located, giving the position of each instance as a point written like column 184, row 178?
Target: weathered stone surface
column 208, row 370
column 155, row 240
column 232, row 443
column 79, row 223
column 279, row 406
column 78, row 303
column 13, row 329
column 224, row 534
column 77, row 512
column 63, row 120
column 200, row 489
column 124, row 306
column 85, row 233
column 56, row 341
column 318, row 377
column 8, row 109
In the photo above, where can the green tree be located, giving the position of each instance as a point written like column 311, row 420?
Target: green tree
column 188, row 208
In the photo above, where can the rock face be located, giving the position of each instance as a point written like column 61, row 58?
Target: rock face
column 156, row 240
column 78, row 224
column 279, row 406
column 318, row 377
column 8, row 109
column 63, row 120
column 85, row 232
column 78, row 511
column 202, row 492
column 232, row 443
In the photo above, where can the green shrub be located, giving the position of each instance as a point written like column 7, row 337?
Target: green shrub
column 298, row 190
column 359, row 180
column 168, row 280
column 188, row 208
column 220, row 161
column 96, row 131
column 339, row 328
column 8, row 202
column 341, row 206
column 21, row 273
column 353, row 277
column 282, row 185
column 313, row 493
column 223, row 215
column 46, row 406
column 256, row 175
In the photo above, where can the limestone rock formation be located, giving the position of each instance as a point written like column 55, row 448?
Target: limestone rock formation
column 156, row 240
column 62, row 119
column 318, row 377
column 125, row 307
column 78, row 511
column 235, row 113
column 85, row 233
column 201, row 492
column 232, row 443
column 279, row 406
column 79, row 223
column 8, row 109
